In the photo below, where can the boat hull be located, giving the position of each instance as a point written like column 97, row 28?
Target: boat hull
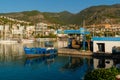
column 37, row 52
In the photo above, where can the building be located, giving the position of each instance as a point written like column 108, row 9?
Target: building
column 29, row 31
column 106, row 44
column 41, row 28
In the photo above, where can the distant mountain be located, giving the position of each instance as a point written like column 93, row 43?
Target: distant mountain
column 92, row 15
column 59, row 18
column 99, row 14
column 30, row 16
column 36, row 16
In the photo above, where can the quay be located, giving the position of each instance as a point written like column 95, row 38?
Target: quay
column 67, row 51
column 78, row 53
column 75, row 45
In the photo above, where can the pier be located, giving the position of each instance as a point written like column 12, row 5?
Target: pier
column 67, row 51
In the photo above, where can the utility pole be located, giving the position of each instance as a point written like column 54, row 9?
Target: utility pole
column 84, row 37
column 93, row 30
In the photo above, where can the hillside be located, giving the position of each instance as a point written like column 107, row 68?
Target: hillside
column 99, row 14
column 92, row 15
column 36, row 16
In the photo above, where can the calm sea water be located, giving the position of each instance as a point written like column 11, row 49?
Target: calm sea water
column 14, row 65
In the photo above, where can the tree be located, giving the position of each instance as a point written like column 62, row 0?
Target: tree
column 5, row 21
column 102, row 74
column 88, row 39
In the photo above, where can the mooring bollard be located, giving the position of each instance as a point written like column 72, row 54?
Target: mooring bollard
column 118, row 77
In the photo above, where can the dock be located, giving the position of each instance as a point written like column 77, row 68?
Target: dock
column 67, row 51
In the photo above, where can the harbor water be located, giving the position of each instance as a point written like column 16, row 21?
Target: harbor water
column 15, row 66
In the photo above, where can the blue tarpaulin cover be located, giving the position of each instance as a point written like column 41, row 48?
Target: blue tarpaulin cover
column 106, row 38
column 80, row 31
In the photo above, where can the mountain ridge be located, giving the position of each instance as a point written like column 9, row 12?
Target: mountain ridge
column 92, row 15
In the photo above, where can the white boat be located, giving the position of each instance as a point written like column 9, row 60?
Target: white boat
column 8, row 41
column 27, row 40
column 45, row 39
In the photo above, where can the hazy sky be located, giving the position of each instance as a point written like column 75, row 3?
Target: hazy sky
column 73, row 6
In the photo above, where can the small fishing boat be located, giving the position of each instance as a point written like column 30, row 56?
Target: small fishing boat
column 37, row 51
column 27, row 41
column 48, row 44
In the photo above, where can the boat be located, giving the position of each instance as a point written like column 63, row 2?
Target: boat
column 8, row 42
column 27, row 41
column 48, row 44
column 116, row 50
column 37, row 51
column 45, row 39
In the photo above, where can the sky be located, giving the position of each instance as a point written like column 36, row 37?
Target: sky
column 73, row 6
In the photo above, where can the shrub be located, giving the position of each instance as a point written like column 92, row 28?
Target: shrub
column 102, row 74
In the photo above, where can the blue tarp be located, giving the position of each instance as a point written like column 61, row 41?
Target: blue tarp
column 106, row 38
column 80, row 31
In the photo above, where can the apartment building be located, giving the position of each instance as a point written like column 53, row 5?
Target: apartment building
column 41, row 29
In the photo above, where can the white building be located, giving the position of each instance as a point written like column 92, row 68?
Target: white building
column 41, row 28
column 29, row 31
column 106, row 44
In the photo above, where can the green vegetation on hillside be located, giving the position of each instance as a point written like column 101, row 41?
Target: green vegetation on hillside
column 92, row 15
column 99, row 14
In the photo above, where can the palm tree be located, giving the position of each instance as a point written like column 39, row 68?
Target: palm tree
column 88, row 39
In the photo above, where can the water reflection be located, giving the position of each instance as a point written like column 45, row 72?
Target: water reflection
column 9, row 52
column 39, row 60
column 12, row 59
column 117, row 63
column 103, row 63
column 77, row 62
